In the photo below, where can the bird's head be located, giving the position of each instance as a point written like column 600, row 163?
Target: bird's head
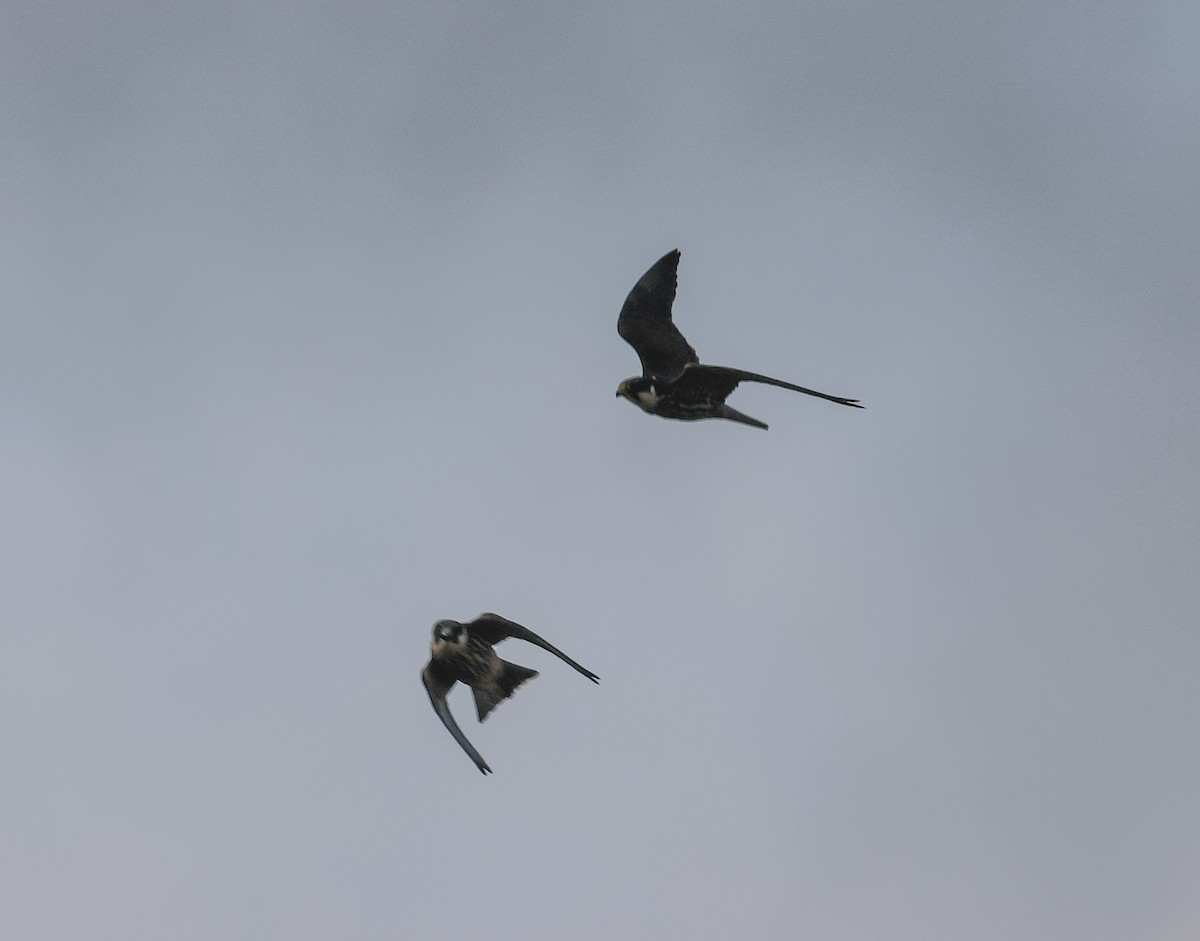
column 448, row 637
column 640, row 391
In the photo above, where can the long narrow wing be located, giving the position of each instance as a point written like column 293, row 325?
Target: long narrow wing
column 718, row 381
column 438, row 683
column 493, row 629
column 645, row 322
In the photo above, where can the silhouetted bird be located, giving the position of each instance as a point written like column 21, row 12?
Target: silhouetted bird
column 463, row 653
column 673, row 384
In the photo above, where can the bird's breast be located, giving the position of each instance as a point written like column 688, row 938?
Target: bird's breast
column 476, row 664
column 648, row 398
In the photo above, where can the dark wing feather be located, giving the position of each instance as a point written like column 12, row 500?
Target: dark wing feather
column 718, row 381
column 438, row 683
column 645, row 322
column 493, row 629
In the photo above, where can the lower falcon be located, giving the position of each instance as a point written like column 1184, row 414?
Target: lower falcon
column 463, row 653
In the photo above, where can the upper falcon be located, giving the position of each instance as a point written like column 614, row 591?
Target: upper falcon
column 673, row 383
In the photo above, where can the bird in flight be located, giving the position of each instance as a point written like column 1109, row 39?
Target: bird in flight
column 463, row 653
column 673, row 383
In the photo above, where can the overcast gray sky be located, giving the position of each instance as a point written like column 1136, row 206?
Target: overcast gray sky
column 309, row 340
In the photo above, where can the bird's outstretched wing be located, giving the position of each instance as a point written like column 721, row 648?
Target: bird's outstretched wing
column 493, row 629
column 645, row 322
column 438, row 683
column 718, row 381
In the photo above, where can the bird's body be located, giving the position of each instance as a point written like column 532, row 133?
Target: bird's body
column 673, row 383
column 471, row 660
column 464, row 653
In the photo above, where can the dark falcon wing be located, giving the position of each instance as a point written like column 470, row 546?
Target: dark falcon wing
column 493, row 629
column 645, row 322
column 438, row 681
column 716, row 382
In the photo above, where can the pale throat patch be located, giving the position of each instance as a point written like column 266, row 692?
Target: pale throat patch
column 648, row 397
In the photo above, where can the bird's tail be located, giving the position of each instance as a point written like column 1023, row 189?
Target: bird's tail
column 734, row 415
column 511, row 676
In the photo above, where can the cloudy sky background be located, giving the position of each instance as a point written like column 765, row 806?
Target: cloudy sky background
column 308, row 339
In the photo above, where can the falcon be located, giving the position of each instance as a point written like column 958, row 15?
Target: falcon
column 673, row 383
column 463, row 653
